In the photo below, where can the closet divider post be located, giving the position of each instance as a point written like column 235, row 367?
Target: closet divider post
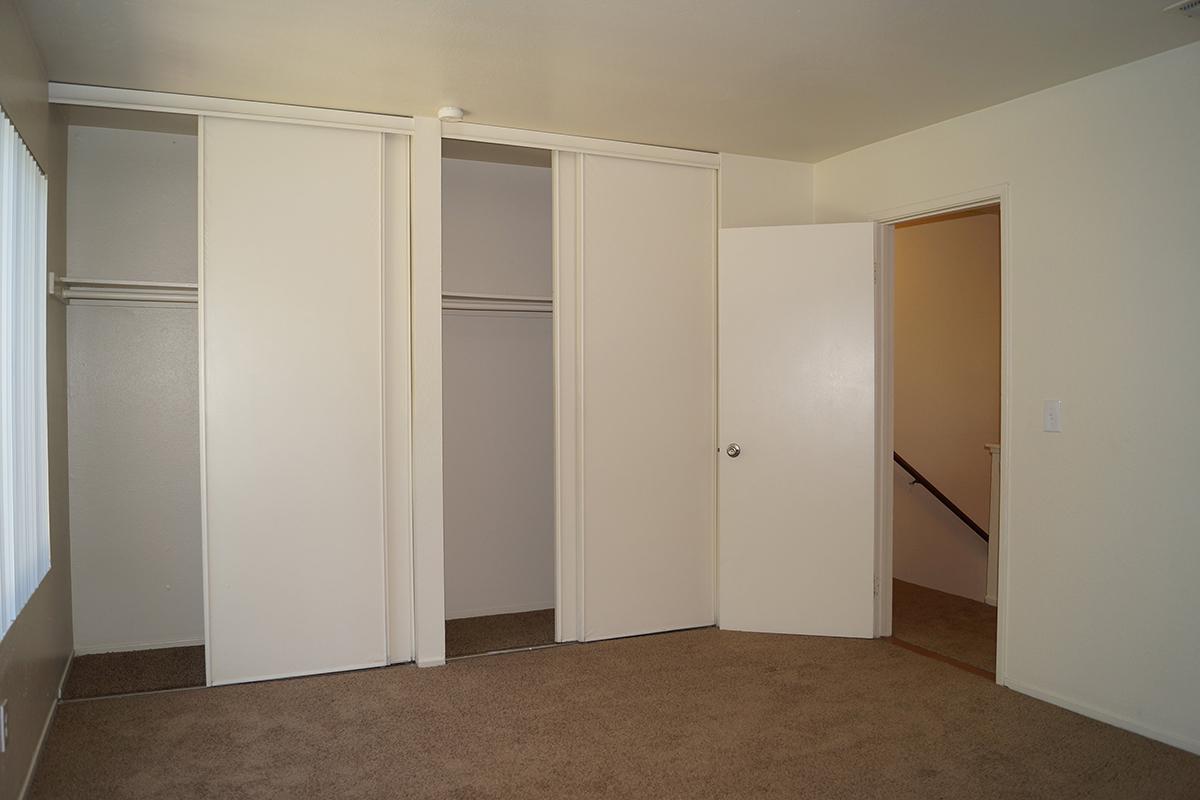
column 428, row 558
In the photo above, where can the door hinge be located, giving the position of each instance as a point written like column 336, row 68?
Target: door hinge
column 876, row 582
column 876, row 273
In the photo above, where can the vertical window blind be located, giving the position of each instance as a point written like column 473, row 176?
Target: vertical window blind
column 24, row 495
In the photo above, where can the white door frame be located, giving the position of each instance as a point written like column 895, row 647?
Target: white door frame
column 568, row 600
column 885, row 388
column 566, row 169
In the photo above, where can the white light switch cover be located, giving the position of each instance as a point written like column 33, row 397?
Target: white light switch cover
column 1052, row 416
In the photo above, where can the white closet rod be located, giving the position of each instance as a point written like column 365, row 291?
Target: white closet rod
column 515, row 303
column 68, row 289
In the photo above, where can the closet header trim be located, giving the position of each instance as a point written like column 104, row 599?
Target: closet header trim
column 476, row 132
column 138, row 100
column 198, row 105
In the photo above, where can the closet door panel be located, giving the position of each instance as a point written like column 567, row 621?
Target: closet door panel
column 648, row 386
column 293, row 398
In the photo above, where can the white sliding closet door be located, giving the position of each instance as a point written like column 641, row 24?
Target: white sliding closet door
column 298, row 256
column 647, row 384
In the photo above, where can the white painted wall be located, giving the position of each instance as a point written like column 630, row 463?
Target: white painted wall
column 765, row 191
column 498, row 392
column 135, row 477
column 947, row 396
column 131, row 204
column 498, row 467
column 497, row 222
column 133, row 422
column 1098, row 603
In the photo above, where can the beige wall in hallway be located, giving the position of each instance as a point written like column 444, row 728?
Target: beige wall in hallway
column 947, row 395
column 34, row 652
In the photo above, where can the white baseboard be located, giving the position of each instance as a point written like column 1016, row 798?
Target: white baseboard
column 432, row 662
column 37, row 751
column 126, row 647
column 1088, row 710
column 487, row 612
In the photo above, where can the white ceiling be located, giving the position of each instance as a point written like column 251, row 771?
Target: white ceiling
column 802, row 80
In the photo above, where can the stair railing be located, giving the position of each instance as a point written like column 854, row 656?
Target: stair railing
column 920, row 479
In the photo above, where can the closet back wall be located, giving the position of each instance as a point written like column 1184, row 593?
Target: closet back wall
column 498, row 391
column 133, row 422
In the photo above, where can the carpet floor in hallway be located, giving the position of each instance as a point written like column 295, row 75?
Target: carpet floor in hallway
column 946, row 624
column 691, row 715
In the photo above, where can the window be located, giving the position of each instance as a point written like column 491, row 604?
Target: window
column 24, row 500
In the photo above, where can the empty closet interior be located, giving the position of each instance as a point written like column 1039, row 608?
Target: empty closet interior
column 133, row 407
column 498, row 397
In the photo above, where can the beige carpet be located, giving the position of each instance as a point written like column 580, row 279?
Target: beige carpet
column 696, row 714
column 137, row 671
column 499, row 632
column 952, row 626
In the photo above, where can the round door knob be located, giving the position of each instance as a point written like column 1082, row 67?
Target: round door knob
column 734, row 450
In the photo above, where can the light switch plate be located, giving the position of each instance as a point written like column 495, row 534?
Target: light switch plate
column 1052, row 416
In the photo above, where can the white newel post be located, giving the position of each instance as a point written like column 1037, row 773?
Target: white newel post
column 993, row 568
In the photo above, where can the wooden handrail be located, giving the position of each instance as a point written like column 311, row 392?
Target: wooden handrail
column 946, row 501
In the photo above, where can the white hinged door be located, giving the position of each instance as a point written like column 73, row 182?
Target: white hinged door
column 797, row 429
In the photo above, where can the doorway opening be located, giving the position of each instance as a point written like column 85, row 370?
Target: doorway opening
column 498, row 397
column 945, row 380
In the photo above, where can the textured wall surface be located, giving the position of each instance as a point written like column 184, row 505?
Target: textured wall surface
column 135, row 478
